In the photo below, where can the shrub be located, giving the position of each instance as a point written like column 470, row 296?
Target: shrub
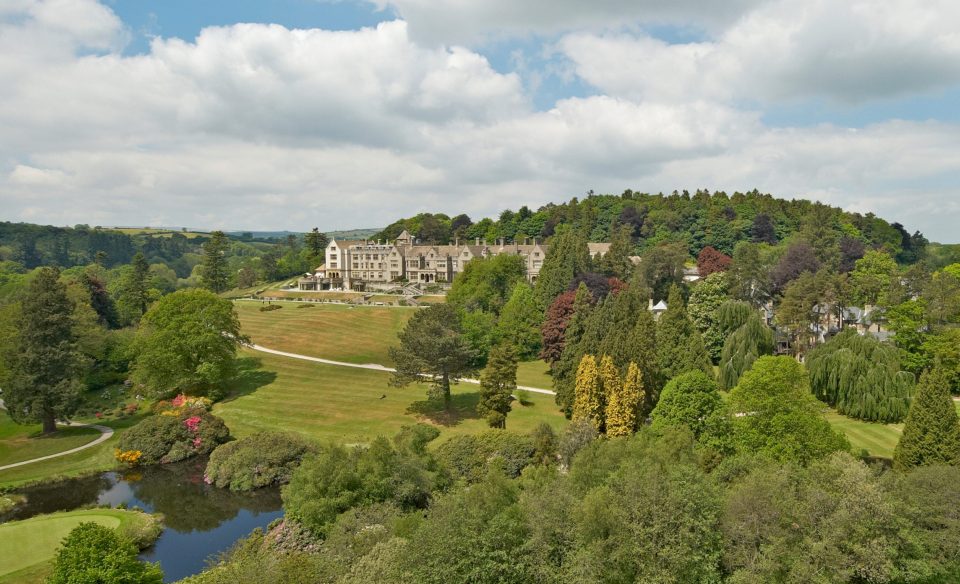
column 468, row 457
column 303, row 306
column 260, row 460
column 171, row 438
column 270, row 307
column 94, row 553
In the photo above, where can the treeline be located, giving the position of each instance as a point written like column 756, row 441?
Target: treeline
column 692, row 221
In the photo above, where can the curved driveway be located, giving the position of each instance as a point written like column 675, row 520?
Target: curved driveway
column 105, row 434
column 371, row 366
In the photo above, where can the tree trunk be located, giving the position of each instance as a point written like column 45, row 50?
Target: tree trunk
column 49, row 423
column 445, row 388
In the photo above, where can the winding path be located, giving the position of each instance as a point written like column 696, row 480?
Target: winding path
column 105, row 434
column 371, row 367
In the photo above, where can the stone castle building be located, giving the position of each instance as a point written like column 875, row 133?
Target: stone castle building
column 358, row 264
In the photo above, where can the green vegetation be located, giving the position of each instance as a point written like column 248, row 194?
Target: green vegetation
column 29, row 545
column 172, row 436
column 19, row 443
column 931, row 432
column 875, row 438
column 353, row 406
column 259, row 460
column 95, row 553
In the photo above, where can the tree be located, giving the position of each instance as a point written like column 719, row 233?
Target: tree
column 92, row 554
column 661, row 268
column 796, row 314
column 564, row 370
column 432, row 345
column 874, row 277
column 861, row 377
column 187, row 341
column 520, row 321
column 799, row 258
column 692, row 400
column 588, row 401
column 763, row 230
column 711, row 261
column 134, row 295
column 679, row 344
column 316, row 245
column 706, row 298
column 749, row 272
column 554, row 328
column 942, row 294
column 623, row 400
column 747, row 339
column 100, row 299
column 931, row 432
column 774, row 414
column 616, row 262
column 568, row 257
column 246, row 277
column 497, row 384
column 214, row 274
column 486, row 283
column 43, row 382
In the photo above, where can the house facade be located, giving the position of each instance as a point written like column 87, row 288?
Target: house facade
column 359, row 264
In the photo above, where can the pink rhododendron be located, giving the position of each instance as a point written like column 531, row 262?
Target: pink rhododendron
column 178, row 401
column 192, row 423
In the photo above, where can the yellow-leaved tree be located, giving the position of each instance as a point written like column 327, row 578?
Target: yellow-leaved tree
column 623, row 404
column 588, row 393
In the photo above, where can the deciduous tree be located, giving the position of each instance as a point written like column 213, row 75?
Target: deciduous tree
column 94, row 553
column 711, row 261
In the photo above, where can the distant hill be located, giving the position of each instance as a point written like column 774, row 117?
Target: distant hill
column 354, row 233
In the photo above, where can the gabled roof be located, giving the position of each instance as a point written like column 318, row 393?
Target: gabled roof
column 598, row 248
column 659, row 306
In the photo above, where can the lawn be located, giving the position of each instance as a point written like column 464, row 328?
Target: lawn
column 25, row 442
column 877, row 439
column 534, row 374
column 359, row 334
column 353, row 406
column 29, row 545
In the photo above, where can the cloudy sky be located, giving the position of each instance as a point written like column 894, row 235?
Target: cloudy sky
column 289, row 114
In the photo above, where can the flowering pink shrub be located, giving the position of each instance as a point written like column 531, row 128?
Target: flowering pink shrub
column 192, row 423
column 178, row 401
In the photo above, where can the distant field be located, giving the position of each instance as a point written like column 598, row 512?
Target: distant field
column 158, row 232
column 353, row 406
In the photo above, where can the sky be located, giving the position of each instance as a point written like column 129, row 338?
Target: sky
column 290, row 114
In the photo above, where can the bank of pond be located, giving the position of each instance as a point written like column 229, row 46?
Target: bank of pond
column 199, row 520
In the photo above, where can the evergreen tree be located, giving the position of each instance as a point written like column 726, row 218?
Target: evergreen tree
column 588, row 403
column 316, row 245
column 679, row 345
column 133, row 297
column 564, row 371
column 520, row 322
column 616, row 262
column 45, row 365
column 623, row 402
column 568, row 257
column 214, row 274
column 931, row 432
column 642, row 352
column 100, row 299
column 497, row 383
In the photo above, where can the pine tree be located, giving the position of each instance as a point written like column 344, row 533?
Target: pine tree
column 616, row 262
column 680, row 347
column 623, row 403
column 316, row 245
column 931, row 432
column 568, row 257
column 642, row 352
column 497, row 383
column 588, row 402
column 133, row 297
column 214, row 275
column 45, row 367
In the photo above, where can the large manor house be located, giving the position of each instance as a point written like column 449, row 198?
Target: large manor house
column 363, row 264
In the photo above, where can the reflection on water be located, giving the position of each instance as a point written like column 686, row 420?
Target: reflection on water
column 201, row 520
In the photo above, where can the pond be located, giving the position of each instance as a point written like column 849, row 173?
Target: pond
column 200, row 520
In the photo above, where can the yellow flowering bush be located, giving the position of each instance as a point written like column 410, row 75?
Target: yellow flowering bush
column 128, row 457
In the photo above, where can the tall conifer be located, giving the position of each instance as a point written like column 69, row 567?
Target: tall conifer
column 623, row 404
column 588, row 401
column 931, row 432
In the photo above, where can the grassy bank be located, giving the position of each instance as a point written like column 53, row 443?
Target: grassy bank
column 30, row 545
column 18, row 443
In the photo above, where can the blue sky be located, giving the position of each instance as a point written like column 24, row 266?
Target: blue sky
column 351, row 114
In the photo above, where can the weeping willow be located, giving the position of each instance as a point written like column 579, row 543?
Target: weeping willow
column 748, row 338
column 861, row 377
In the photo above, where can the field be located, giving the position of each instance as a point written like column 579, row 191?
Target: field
column 25, row 442
column 156, row 232
column 877, row 439
column 353, row 406
column 29, row 545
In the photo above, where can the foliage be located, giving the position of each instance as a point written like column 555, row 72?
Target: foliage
column 187, row 341
column 486, row 283
column 568, row 257
column 589, row 403
column 679, row 345
column 133, row 296
column 564, row 370
column 497, row 384
column 691, row 400
column 874, row 277
column 706, row 298
column 861, row 377
column 799, row 258
column 472, row 456
column 554, row 328
column 747, row 339
column 711, row 261
column 931, row 432
column 214, row 275
column 432, row 344
column 797, row 315
column 520, row 322
column 44, row 363
column 163, row 439
column 93, row 553
column 623, row 399
column 750, row 272
column 774, row 414
column 661, row 268
column 259, row 460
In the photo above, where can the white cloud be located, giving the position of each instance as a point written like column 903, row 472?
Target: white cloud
column 788, row 49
